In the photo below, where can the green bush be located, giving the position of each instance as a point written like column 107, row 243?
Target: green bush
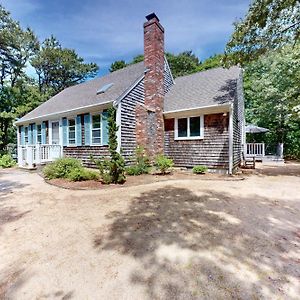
column 6, row 161
column 82, row 174
column 61, row 168
column 163, row 164
column 69, row 168
column 199, row 169
column 142, row 163
column 133, row 171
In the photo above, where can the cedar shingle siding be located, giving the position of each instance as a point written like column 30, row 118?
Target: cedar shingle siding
column 238, row 123
column 212, row 151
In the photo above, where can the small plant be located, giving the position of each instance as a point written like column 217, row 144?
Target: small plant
column 133, row 171
column 199, row 169
column 6, row 161
column 142, row 163
column 82, row 174
column 163, row 164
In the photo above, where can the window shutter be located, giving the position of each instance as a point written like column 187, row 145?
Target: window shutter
column 78, row 131
column 44, row 133
column 87, row 129
column 34, row 134
column 65, row 131
column 104, row 124
column 22, row 138
column 30, row 142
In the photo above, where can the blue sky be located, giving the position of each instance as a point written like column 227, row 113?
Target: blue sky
column 105, row 31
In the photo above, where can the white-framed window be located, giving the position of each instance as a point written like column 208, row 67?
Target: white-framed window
column 26, row 134
column 71, row 132
column 189, row 128
column 39, row 133
column 96, row 129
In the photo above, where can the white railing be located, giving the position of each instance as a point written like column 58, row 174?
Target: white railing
column 31, row 155
column 255, row 150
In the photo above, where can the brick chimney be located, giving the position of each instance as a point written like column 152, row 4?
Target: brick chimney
column 150, row 122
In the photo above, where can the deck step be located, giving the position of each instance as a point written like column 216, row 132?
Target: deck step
column 272, row 160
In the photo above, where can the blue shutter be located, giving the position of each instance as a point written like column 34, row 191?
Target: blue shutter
column 30, row 134
column 65, row 131
column 34, row 134
column 87, row 129
column 22, row 138
column 44, row 133
column 78, row 131
column 104, row 116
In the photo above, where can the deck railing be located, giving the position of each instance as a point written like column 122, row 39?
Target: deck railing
column 255, row 150
column 31, row 155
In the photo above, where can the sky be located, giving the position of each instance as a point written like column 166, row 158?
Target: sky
column 105, row 31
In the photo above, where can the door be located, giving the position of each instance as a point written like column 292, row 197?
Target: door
column 55, row 133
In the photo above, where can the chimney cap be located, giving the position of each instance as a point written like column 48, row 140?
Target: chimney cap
column 152, row 16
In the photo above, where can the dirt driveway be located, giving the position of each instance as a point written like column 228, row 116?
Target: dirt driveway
column 184, row 239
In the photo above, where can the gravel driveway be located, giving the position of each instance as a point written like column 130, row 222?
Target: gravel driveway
column 177, row 239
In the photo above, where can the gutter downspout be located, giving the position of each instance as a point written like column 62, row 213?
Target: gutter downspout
column 230, row 169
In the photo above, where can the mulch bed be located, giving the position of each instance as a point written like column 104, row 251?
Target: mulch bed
column 139, row 180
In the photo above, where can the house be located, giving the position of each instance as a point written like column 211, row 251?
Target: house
column 196, row 119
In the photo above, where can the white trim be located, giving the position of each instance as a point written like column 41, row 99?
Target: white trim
column 197, row 108
column 230, row 152
column 188, row 137
column 168, row 66
column 118, row 121
column 74, row 110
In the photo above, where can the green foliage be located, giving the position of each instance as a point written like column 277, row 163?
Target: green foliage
column 117, row 65
column 272, row 93
column 142, row 163
column 163, row 164
column 268, row 25
column 213, row 61
column 58, row 68
column 6, row 161
column 137, row 59
column 112, row 170
column 69, row 168
column 80, row 174
column 199, row 169
column 183, row 63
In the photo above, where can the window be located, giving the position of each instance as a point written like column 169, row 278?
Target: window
column 39, row 133
column 189, row 128
column 26, row 135
column 72, row 130
column 96, row 129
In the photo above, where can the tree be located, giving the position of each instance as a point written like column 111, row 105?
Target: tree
column 213, row 61
column 268, row 25
column 137, row 59
column 58, row 68
column 117, row 65
column 182, row 64
column 117, row 163
column 271, row 95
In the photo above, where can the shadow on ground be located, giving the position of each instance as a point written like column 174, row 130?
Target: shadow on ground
column 285, row 170
column 208, row 246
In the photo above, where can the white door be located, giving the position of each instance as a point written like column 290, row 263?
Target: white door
column 55, row 133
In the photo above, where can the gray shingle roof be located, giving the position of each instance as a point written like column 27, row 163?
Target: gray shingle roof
column 211, row 87
column 85, row 94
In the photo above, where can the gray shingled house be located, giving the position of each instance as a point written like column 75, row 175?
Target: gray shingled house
column 196, row 119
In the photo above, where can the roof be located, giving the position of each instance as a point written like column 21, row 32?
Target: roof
column 212, row 87
column 85, row 94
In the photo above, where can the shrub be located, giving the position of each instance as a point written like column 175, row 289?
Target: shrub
column 61, row 168
column 199, row 169
column 163, row 164
column 6, row 161
column 142, row 163
column 133, row 171
column 81, row 174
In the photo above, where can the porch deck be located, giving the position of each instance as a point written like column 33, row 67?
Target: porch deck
column 31, row 155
